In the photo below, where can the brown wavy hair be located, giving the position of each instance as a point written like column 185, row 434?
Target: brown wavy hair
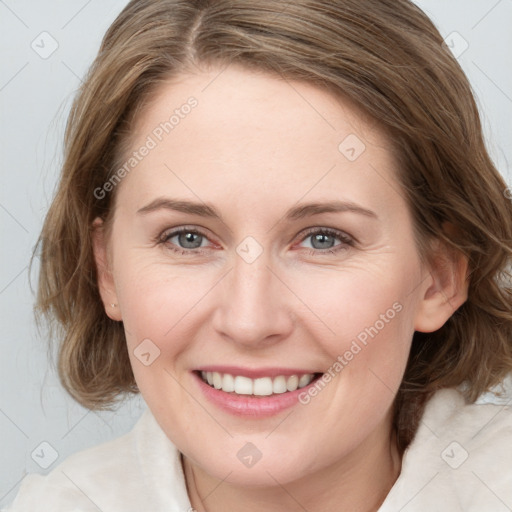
column 384, row 56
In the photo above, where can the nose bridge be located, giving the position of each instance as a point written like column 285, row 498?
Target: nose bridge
column 252, row 309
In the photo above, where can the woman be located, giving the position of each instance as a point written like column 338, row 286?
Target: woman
column 280, row 224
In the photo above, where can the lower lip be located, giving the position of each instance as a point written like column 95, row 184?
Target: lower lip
column 249, row 405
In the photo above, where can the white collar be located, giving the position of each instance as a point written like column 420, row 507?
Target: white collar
column 460, row 459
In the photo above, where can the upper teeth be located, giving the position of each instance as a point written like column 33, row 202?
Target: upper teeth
column 263, row 386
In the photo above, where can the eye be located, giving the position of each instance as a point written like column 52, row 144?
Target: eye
column 190, row 241
column 184, row 240
column 323, row 240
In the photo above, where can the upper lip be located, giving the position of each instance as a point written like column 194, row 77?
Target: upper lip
column 254, row 373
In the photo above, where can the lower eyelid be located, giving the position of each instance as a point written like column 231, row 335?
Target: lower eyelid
column 344, row 239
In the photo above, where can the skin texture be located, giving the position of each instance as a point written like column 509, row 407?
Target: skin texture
column 253, row 147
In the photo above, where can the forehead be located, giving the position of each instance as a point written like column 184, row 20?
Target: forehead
column 235, row 131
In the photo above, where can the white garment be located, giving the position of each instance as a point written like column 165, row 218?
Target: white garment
column 141, row 471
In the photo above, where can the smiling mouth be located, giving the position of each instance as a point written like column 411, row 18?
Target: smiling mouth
column 264, row 386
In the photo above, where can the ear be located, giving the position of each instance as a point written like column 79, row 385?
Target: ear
column 447, row 290
column 105, row 279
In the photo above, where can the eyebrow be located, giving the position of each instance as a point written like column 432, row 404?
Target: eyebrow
column 294, row 213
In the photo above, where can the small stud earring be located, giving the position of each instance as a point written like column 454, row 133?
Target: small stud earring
column 113, row 305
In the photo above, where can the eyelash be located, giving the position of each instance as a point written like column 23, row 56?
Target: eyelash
column 346, row 241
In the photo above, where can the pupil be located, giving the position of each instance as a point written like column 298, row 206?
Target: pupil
column 324, row 241
column 187, row 240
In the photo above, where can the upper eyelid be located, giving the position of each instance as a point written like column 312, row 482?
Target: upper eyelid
column 337, row 232
column 172, row 232
column 305, row 233
column 181, row 229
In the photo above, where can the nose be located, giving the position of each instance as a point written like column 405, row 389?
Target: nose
column 253, row 305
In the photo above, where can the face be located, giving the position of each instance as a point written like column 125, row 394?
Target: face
column 261, row 241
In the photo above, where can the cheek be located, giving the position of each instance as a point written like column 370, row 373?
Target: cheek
column 361, row 303
column 161, row 303
column 337, row 306
column 367, row 314
column 151, row 300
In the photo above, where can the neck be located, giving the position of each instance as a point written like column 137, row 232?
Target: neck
column 359, row 483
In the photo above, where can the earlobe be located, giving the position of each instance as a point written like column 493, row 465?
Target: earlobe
column 447, row 290
column 106, row 283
